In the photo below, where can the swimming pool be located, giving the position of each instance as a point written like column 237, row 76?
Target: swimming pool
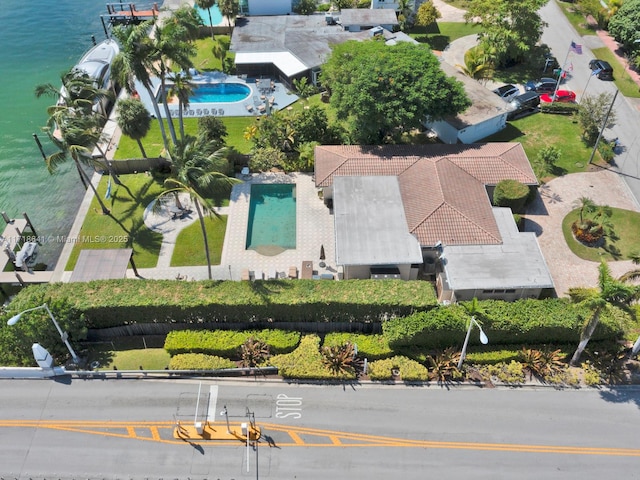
column 216, row 16
column 271, row 226
column 219, row 93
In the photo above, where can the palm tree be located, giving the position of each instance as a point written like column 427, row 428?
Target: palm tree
column 229, row 9
column 134, row 62
column 477, row 64
column 586, row 205
column 610, row 293
column 206, row 5
column 186, row 22
column 195, row 173
column 134, row 120
column 183, row 89
column 78, row 92
column 634, row 274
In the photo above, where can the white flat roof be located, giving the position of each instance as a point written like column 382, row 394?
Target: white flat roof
column 370, row 224
column 286, row 62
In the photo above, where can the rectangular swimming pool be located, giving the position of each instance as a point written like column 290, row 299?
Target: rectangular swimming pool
column 271, row 225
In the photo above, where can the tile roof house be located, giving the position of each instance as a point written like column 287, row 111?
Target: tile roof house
column 439, row 195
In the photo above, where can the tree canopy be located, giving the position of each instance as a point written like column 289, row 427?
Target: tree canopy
column 510, row 28
column 384, row 91
column 427, row 14
column 625, row 24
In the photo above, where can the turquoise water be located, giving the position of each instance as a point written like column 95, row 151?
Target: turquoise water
column 40, row 40
column 272, row 216
column 216, row 16
column 220, row 93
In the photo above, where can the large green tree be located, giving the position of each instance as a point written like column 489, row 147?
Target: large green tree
column 592, row 114
column 511, row 28
column 134, row 120
column 427, row 14
column 385, row 91
column 624, row 25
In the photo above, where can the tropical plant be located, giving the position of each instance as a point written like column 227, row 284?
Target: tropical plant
column 477, row 64
column 548, row 156
column 211, row 134
column 610, row 293
column 444, row 365
column 230, row 10
column 592, row 225
column 79, row 94
column 405, row 14
column 182, row 89
column 305, row 7
column 339, row 359
column 206, row 5
column 134, row 120
column 195, row 172
column 592, row 113
column 541, row 363
column 134, row 63
column 609, row 364
column 254, row 352
column 624, row 25
column 634, row 274
column 303, row 88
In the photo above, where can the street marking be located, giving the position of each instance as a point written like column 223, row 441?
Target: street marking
column 302, row 437
column 213, row 400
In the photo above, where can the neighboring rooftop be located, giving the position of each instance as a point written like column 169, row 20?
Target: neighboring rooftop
column 443, row 187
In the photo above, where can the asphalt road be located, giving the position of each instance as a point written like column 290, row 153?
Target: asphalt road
column 558, row 35
column 124, row 429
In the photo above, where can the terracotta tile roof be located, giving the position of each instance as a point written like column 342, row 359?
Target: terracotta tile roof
column 442, row 186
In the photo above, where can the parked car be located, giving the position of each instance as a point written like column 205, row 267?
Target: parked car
column 508, row 92
column 560, row 96
column 544, row 85
column 605, row 71
column 550, row 62
column 524, row 104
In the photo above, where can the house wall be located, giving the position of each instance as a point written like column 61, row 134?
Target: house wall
column 269, row 7
column 509, row 295
column 363, row 272
column 482, row 130
column 446, row 133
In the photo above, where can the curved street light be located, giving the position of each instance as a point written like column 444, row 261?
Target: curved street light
column 483, row 339
column 63, row 335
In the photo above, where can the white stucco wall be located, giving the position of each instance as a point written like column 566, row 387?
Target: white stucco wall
column 482, row 130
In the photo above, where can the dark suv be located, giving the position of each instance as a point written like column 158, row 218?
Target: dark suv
column 523, row 105
column 544, row 85
column 605, row 71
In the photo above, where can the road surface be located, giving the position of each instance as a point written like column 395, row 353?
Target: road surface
column 123, row 429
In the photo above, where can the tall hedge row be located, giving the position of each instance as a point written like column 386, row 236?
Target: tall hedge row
column 505, row 323
column 112, row 303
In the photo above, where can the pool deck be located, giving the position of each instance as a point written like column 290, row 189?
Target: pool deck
column 314, row 229
column 251, row 106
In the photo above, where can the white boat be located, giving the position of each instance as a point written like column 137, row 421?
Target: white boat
column 96, row 63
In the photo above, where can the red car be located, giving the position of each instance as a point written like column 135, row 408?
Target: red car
column 561, row 96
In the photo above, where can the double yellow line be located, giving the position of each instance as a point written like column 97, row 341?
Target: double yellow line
column 303, row 437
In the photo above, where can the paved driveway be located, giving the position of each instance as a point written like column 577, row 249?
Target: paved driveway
column 545, row 217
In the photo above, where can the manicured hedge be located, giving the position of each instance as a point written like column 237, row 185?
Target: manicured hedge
column 505, row 323
column 559, row 108
column 226, row 343
column 111, row 303
column 305, row 362
column 410, row 370
column 512, row 194
column 199, row 361
column 372, row 347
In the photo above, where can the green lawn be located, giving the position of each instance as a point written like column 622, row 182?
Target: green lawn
column 623, row 81
column 542, row 129
column 441, row 34
column 189, row 249
column 626, row 225
column 125, row 227
column 576, row 18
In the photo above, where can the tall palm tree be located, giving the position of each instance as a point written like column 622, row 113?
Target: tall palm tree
column 230, row 10
column 206, row 5
column 634, row 274
column 171, row 46
column 134, row 62
column 610, row 293
column 187, row 21
column 182, row 89
column 195, row 173
column 134, row 120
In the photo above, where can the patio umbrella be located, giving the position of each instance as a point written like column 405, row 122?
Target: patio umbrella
column 322, row 256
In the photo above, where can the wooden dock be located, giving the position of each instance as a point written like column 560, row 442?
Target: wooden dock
column 127, row 13
column 12, row 237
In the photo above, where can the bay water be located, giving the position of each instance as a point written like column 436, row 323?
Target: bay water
column 39, row 41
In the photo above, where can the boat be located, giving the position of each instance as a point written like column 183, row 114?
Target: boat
column 96, row 63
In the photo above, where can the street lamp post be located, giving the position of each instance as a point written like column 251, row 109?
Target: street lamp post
column 63, row 335
column 483, row 339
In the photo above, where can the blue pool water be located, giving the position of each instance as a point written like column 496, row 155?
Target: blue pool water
column 216, row 16
column 272, row 216
column 220, row 93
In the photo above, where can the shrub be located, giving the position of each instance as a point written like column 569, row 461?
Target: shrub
column 512, row 194
column 410, row 370
column 306, row 362
column 254, row 352
column 444, row 365
column 264, row 159
column 512, row 372
column 339, row 359
column 372, row 347
column 492, row 357
column 199, row 361
column 606, row 150
column 559, row 108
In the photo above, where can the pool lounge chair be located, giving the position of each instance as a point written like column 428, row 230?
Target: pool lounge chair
column 248, row 107
column 293, row 272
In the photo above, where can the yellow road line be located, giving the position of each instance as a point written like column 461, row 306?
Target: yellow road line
column 304, row 437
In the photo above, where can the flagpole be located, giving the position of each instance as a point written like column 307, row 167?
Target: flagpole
column 561, row 71
column 585, row 88
column 604, row 125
